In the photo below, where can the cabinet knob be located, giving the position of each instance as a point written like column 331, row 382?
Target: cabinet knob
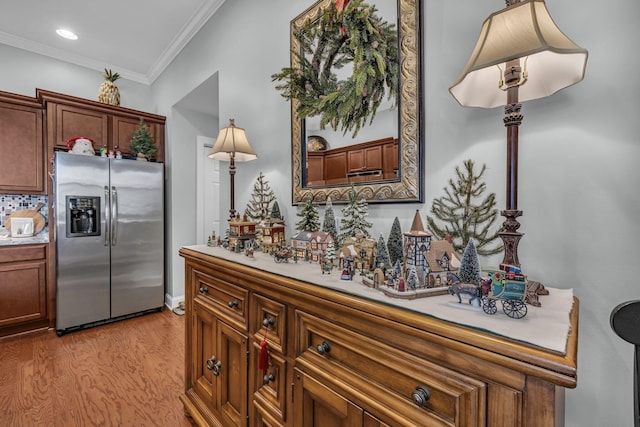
column 324, row 348
column 204, row 289
column 420, row 396
column 268, row 322
column 233, row 303
column 214, row 365
column 268, row 378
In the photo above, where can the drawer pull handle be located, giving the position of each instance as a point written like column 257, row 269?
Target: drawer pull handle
column 204, row 289
column 268, row 322
column 233, row 304
column 214, row 366
column 268, row 378
column 324, row 348
column 420, row 396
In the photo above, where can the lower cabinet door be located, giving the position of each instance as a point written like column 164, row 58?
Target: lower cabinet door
column 316, row 405
column 23, row 290
column 220, row 368
column 232, row 370
column 203, row 348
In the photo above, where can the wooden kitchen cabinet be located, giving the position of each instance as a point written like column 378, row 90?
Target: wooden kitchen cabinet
column 366, row 159
column 23, row 286
column 339, row 360
column 22, row 161
column 107, row 125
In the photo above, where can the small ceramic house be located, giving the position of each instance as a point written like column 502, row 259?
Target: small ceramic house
column 271, row 232
column 318, row 244
column 242, row 232
column 301, row 244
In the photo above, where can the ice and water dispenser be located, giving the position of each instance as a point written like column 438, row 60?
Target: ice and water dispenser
column 83, row 216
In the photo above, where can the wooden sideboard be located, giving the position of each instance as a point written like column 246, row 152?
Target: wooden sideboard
column 336, row 359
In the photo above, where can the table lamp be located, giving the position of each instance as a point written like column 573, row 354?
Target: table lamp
column 520, row 55
column 232, row 145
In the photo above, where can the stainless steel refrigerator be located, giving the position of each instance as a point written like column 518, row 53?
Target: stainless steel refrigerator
column 109, row 239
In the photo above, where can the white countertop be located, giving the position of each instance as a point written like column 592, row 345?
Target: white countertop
column 7, row 240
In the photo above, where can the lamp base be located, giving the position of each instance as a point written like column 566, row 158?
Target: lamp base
column 510, row 236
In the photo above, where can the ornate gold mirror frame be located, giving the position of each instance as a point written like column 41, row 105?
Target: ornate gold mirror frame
column 408, row 186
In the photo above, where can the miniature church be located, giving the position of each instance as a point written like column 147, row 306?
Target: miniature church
column 432, row 261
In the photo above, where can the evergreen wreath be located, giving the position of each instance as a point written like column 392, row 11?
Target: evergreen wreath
column 347, row 32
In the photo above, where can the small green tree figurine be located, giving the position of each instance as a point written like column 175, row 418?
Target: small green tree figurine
column 394, row 242
column 329, row 221
column 382, row 255
column 142, row 141
column 354, row 218
column 310, row 219
column 469, row 265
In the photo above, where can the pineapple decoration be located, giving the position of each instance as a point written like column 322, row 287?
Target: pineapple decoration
column 109, row 92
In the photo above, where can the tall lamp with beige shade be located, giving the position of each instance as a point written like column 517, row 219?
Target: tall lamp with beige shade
column 520, row 55
column 233, row 146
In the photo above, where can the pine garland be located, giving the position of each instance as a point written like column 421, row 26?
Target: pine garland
column 335, row 38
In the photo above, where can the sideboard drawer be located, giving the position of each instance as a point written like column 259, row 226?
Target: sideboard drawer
column 394, row 382
column 229, row 301
column 269, row 319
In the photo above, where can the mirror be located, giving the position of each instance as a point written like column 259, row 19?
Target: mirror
column 326, row 163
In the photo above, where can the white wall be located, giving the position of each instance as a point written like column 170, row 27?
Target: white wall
column 578, row 153
column 22, row 72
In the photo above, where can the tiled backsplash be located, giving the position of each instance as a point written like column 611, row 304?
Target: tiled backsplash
column 11, row 203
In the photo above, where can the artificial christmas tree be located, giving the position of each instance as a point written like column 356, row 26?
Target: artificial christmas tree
column 259, row 206
column 142, row 141
column 394, row 242
column 469, row 265
column 466, row 218
column 382, row 255
column 354, row 221
column 309, row 215
column 329, row 221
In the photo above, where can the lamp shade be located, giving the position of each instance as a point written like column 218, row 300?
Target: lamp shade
column 523, row 30
column 232, row 142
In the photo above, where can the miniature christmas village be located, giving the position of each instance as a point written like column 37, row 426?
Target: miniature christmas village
column 413, row 264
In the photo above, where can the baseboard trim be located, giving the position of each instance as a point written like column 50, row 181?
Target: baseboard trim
column 171, row 301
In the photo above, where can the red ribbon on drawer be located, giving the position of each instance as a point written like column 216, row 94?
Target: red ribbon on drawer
column 263, row 357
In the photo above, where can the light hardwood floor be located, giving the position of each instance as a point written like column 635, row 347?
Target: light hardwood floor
column 128, row 373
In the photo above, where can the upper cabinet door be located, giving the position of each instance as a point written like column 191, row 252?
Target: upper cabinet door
column 124, row 127
column 108, row 126
column 22, row 145
column 71, row 122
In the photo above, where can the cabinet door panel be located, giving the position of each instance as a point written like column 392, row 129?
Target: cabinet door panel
column 22, row 147
column 232, row 383
column 204, row 333
column 23, row 290
column 319, row 406
column 124, row 127
column 72, row 122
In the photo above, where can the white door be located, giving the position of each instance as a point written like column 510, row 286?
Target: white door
column 207, row 192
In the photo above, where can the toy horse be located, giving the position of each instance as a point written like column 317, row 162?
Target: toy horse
column 456, row 288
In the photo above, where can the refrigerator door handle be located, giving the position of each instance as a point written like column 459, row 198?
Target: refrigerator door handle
column 114, row 216
column 107, row 216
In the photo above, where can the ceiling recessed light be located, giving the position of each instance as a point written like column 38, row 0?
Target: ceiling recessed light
column 66, row 34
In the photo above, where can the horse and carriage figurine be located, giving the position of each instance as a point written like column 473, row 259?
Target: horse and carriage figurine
column 506, row 284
